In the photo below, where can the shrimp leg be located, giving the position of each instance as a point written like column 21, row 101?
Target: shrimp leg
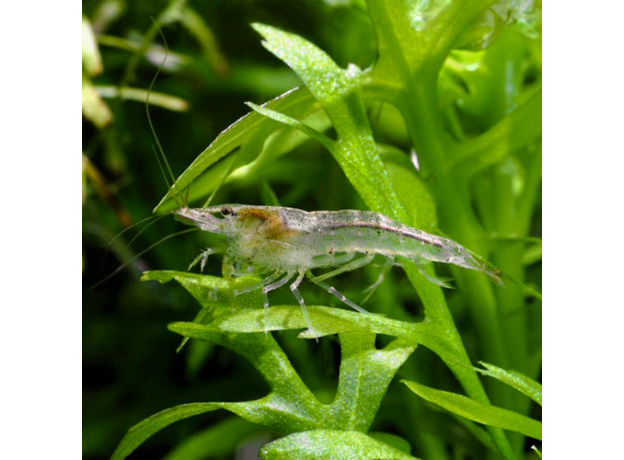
column 420, row 264
column 271, row 287
column 203, row 258
column 262, row 283
column 349, row 266
column 267, row 284
column 274, row 286
column 295, row 291
column 334, row 292
column 382, row 276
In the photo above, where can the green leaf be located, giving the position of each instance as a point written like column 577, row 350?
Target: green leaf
column 293, row 123
column 319, row 72
column 514, row 379
column 478, row 412
column 238, row 134
column 340, row 94
column 140, row 432
column 365, row 373
column 281, row 411
column 325, row 320
column 296, row 402
column 280, row 142
column 325, row 444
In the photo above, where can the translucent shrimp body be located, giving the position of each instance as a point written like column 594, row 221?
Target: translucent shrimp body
column 289, row 243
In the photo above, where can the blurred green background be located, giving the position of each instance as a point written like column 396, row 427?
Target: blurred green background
column 215, row 64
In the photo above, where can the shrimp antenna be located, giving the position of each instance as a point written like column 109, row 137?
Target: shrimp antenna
column 131, row 226
column 165, row 168
column 154, row 219
column 132, row 259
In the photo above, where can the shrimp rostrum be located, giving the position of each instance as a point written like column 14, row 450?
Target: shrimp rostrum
column 283, row 244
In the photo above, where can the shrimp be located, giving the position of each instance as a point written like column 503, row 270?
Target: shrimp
column 284, row 243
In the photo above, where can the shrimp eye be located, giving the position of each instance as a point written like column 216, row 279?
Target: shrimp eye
column 226, row 211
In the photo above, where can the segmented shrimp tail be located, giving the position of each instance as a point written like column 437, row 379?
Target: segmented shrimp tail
column 495, row 276
column 474, row 261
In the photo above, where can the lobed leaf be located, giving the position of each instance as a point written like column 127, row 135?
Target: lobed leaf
column 326, row 321
column 365, row 371
column 365, row 374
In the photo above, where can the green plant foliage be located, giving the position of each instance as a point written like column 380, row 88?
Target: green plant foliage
column 330, row 444
column 482, row 413
column 364, row 375
column 426, row 112
column 248, row 133
column 515, row 380
column 139, row 433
